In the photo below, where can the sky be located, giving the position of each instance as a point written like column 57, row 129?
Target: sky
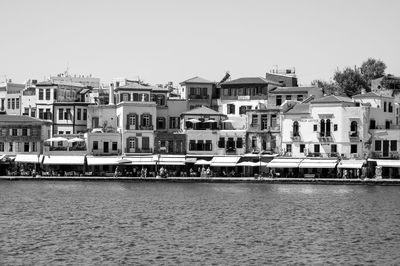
column 160, row 41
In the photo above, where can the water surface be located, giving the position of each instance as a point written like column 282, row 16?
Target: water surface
column 111, row 223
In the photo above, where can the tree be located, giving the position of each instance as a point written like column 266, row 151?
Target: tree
column 372, row 69
column 328, row 88
column 350, row 81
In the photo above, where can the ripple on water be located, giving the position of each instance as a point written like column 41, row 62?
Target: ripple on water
column 142, row 223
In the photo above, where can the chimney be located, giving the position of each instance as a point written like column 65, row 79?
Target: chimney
column 111, row 95
column 363, row 91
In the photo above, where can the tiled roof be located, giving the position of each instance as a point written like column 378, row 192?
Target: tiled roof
column 367, row 95
column 301, row 108
column 20, row 119
column 333, row 99
column 197, row 80
column 250, row 80
column 45, row 83
column 202, row 111
column 134, row 86
column 284, row 90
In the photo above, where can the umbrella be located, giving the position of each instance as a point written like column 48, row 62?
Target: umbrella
column 247, row 164
column 202, row 162
column 228, row 121
column 210, row 121
column 76, row 140
column 121, row 161
column 260, row 164
column 194, row 120
column 56, row 139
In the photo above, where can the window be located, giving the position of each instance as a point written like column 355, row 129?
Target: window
column 328, row 128
column 145, row 143
column 13, row 103
column 393, row 145
column 200, row 145
column 132, row 121
column 60, row 114
column 208, row 146
column 131, row 143
column 254, row 142
column 47, row 94
column 34, row 146
column 79, row 114
column 160, row 99
column 26, row 111
column 322, row 128
column 125, row 97
column 239, row 143
column 372, row 124
column 160, row 123
column 17, row 103
column 146, row 120
column 33, row 112
column 40, row 94
column 288, row 147
column 8, row 103
column 24, row 132
column 47, row 115
column 378, row 145
column 95, row 145
column 26, row 146
column 221, row 143
column 15, row 132
column 387, row 124
column 67, row 114
column 67, row 132
column 231, row 109
column 316, row 148
column 192, row 145
column 296, row 132
column 1, row 146
column 353, row 129
column 300, row 98
column 353, row 148
column 390, row 107
column 242, row 110
column 278, row 100
column 85, row 114
column 384, row 106
column 115, row 146
column 302, row 147
column 264, row 122
column 288, row 97
column 174, row 122
column 61, row 132
column 315, row 127
column 333, row 148
column 10, row 146
column 254, row 120
column 335, row 127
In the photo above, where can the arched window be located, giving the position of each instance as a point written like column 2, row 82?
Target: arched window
column 353, row 128
column 328, row 127
column 322, row 130
column 296, row 129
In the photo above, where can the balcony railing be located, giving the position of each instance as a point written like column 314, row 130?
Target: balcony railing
column 261, row 128
column 325, row 137
column 353, row 136
column 391, row 154
column 295, row 136
column 230, row 151
column 146, row 127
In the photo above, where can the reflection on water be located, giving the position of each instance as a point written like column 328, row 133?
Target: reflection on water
column 166, row 223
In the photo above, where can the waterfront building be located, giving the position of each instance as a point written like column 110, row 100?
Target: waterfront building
column 198, row 92
column 11, row 102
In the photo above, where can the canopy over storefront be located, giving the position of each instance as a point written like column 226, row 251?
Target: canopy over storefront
column 388, row 163
column 284, row 163
column 64, row 159
column 318, row 163
column 351, row 164
column 142, row 160
column 100, row 160
column 225, row 161
column 29, row 158
column 170, row 159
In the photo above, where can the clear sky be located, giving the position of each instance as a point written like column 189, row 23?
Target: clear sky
column 174, row 40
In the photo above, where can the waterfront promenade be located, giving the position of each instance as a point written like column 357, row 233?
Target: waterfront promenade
column 336, row 181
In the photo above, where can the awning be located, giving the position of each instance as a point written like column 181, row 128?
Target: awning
column 29, row 158
column 353, row 164
column 284, row 163
column 100, row 160
column 190, row 160
column 142, row 160
column 225, row 161
column 165, row 159
column 64, row 159
column 388, row 163
column 318, row 163
column 202, row 162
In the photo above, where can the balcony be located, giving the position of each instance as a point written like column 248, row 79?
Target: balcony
column 198, row 97
column 146, row 127
column 387, row 155
column 137, row 150
column 325, row 137
column 230, row 151
column 295, row 136
column 257, row 127
column 353, row 136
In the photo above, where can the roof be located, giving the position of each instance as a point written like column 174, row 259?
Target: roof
column 250, row 80
column 202, row 111
column 283, row 90
column 369, row 95
column 134, row 86
column 197, row 80
column 333, row 99
column 301, row 108
column 14, row 87
column 20, row 119
column 45, row 83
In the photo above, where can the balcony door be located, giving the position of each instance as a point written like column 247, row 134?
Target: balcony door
column 385, row 152
column 105, row 146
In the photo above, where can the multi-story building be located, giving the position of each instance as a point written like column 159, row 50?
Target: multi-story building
column 12, row 99
column 197, row 91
